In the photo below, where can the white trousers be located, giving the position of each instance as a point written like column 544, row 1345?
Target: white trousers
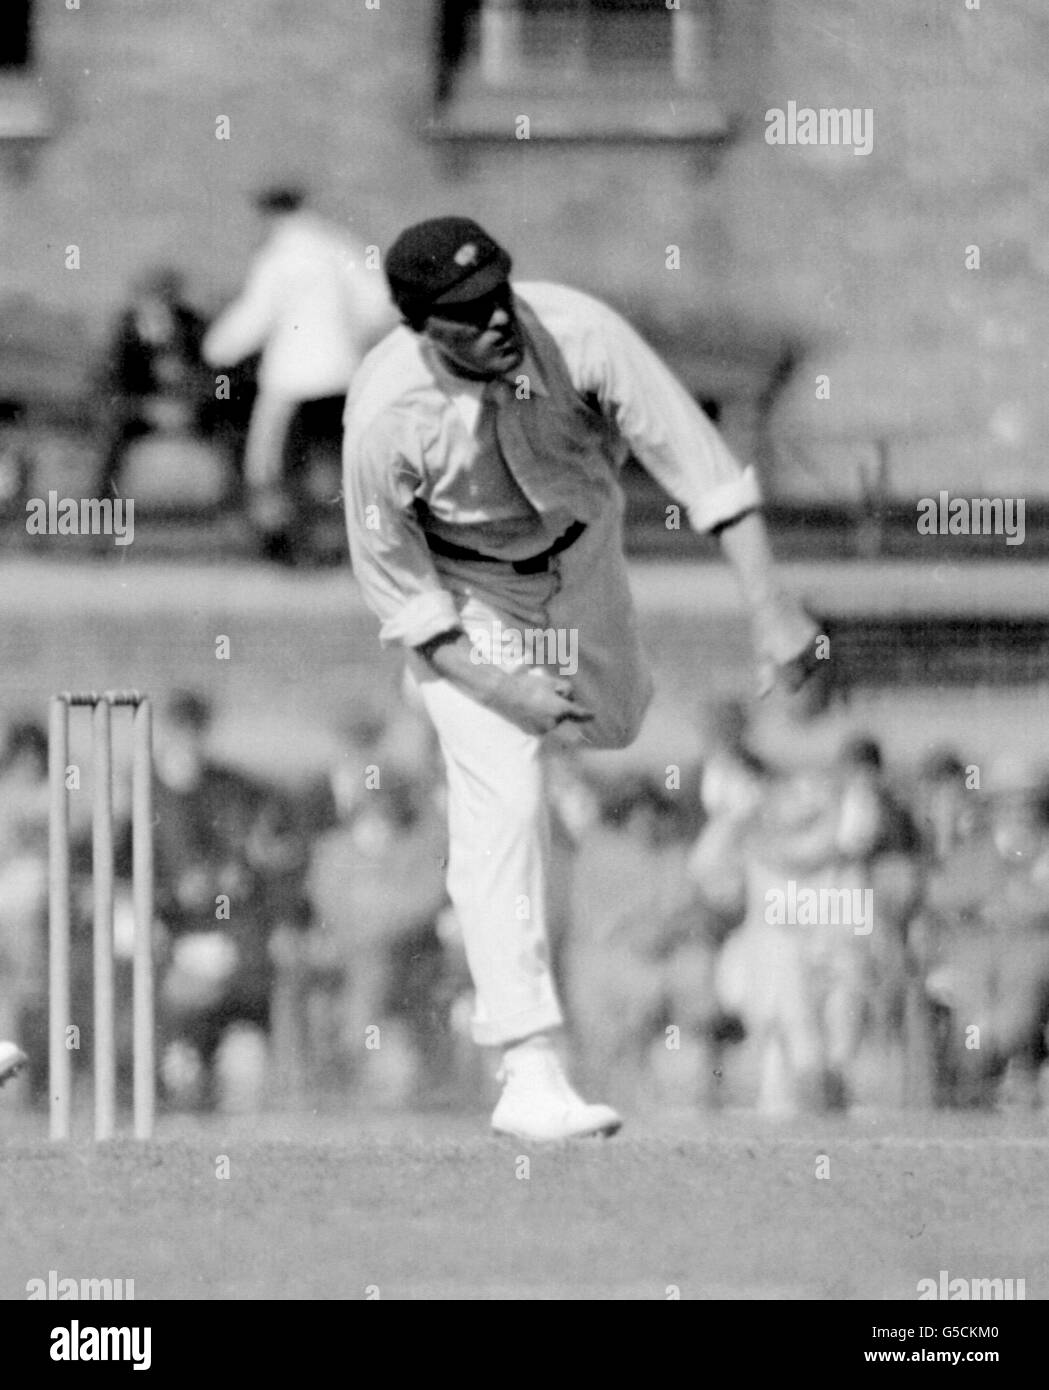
column 498, row 819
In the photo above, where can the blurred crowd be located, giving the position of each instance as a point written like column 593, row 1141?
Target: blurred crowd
column 789, row 924
column 244, row 412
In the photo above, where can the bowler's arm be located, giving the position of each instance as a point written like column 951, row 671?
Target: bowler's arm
column 685, row 453
column 784, row 634
column 530, row 697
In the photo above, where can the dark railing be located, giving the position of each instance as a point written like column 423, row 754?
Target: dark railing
column 870, row 518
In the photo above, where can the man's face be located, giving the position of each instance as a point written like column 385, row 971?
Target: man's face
column 481, row 338
column 180, row 755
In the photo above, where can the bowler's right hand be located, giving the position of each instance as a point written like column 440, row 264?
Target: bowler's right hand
column 537, row 701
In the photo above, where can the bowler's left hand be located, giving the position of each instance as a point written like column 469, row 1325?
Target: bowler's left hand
column 787, row 641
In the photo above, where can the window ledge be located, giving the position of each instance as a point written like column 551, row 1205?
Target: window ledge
column 590, row 113
column 24, row 111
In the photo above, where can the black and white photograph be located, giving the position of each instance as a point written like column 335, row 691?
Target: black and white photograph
column 524, row 657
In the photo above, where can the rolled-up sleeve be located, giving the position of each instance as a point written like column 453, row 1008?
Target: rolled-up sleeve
column 665, row 428
column 390, row 557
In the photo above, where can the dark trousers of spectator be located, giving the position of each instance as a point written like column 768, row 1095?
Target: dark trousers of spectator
column 282, row 438
column 205, row 1029
column 122, row 433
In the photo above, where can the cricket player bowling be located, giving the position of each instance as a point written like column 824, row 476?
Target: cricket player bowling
column 483, row 438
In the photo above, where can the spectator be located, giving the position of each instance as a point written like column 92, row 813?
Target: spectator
column 230, row 869
column 311, row 308
column 639, row 956
column 983, row 946
column 944, row 808
column 881, row 838
column 153, row 376
column 799, row 978
column 377, row 889
column 731, row 787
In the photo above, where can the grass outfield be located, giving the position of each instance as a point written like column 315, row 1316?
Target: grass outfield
column 430, row 1208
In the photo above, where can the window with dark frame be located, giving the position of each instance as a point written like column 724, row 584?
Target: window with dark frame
column 578, row 50
column 16, row 36
column 25, row 116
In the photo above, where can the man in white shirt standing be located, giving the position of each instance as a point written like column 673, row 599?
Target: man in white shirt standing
column 311, row 308
column 482, row 445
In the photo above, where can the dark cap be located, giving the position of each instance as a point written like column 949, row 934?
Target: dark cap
column 447, row 260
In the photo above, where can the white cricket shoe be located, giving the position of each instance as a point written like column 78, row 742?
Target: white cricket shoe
column 538, row 1103
column 12, row 1060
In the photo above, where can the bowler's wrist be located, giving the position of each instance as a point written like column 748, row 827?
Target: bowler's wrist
column 783, row 630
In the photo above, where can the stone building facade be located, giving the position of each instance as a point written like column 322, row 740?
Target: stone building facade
column 830, row 292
